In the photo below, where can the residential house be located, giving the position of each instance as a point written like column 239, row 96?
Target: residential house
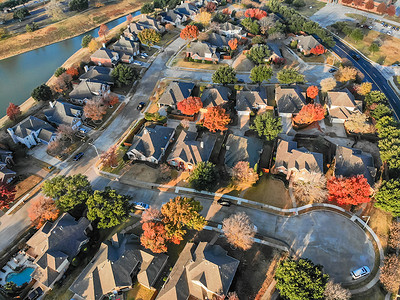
column 290, row 159
column 352, row 162
column 98, row 74
column 289, row 101
column 219, row 41
column 32, row 131
column 126, row 46
column 117, row 265
column 105, row 57
column 341, row 105
column 250, row 101
column 188, row 151
column 173, row 17
column 175, row 92
column 6, row 160
column 150, row 143
column 201, row 272
column 203, row 51
column 276, row 53
column 86, row 90
column 216, row 96
column 187, row 9
column 145, row 22
column 242, row 148
column 306, row 43
column 131, row 32
column 230, row 30
column 54, row 246
column 64, row 113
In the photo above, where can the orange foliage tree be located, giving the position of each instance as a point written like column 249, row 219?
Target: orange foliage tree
column 103, row 31
column 216, row 119
column 233, row 43
column 7, row 195
column 110, row 157
column 111, row 99
column 94, row 110
column 349, row 190
column 255, row 13
column 13, row 111
column 154, row 237
column 42, row 209
column 310, row 113
column 63, row 83
column 190, row 32
column 129, row 18
column 211, row 7
column 381, row 8
column 74, row 72
column 226, row 11
column 391, row 10
column 312, row 91
column 190, row 105
column 370, row 4
column 317, row 50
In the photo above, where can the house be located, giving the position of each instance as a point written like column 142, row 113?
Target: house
column 86, row 90
column 150, row 143
column 150, row 23
column 98, row 74
column 131, row 32
column 341, row 105
column 289, row 101
column 64, row 113
column 230, row 30
column 306, row 43
column 32, row 131
column 54, row 246
column 188, row 151
column 275, row 52
column 250, row 101
column 242, row 148
column 105, row 57
column 216, row 96
column 175, row 92
column 126, row 46
column 187, row 9
column 290, row 159
column 6, row 160
column 203, row 51
column 201, row 272
column 117, row 265
column 219, row 41
column 173, row 17
column 352, row 162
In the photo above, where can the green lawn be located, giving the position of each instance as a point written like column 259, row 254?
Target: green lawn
column 311, row 7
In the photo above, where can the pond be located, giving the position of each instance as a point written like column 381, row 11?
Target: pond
column 20, row 74
column 20, row 278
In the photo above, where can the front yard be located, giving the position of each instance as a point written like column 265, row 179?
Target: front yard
column 181, row 63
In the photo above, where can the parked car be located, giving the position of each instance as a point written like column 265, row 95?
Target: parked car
column 141, row 205
column 240, row 81
column 333, row 70
column 369, row 27
column 35, row 294
column 138, row 63
column 360, row 272
column 141, row 105
column 223, row 202
column 389, row 32
column 144, row 54
column 355, row 56
column 78, row 156
column 83, row 130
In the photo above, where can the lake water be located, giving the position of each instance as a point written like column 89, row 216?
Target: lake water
column 20, row 74
column 21, row 277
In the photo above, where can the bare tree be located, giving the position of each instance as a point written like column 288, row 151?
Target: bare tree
column 65, row 132
column 239, row 231
column 335, row 291
column 242, row 173
column 266, row 23
column 390, row 273
column 276, row 36
column 328, row 84
column 56, row 147
column 359, row 123
column 394, row 237
column 110, row 157
column 309, row 187
column 151, row 214
column 94, row 109
column 54, row 10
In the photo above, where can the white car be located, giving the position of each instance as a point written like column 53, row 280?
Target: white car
column 361, row 272
column 389, row 33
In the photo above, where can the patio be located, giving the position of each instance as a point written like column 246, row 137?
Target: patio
column 16, row 264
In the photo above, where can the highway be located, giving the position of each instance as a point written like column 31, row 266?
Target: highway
column 371, row 74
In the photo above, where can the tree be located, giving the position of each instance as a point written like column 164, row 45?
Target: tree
column 108, row 208
column 364, row 88
column 327, row 84
column 151, row 214
column 211, row 7
column 147, row 8
column 220, row 18
column 123, row 74
column 204, row 176
column 66, row 132
column 255, row 13
column 309, row 187
column 74, row 72
column 7, row 195
column 374, row 47
column 149, row 37
column 93, row 46
column 261, row 73
column 242, row 173
column 62, row 84
column 129, row 18
column 42, row 93
column 391, row 10
column 380, row 111
column 370, row 4
column 203, row 17
column 13, row 111
column 345, row 74
column 300, row 279
column 317, row 50
column 59, row 71
column 110, row 157
column 224, row 75
column 56, row 147
column 388, row 197
column 394, row 237
column 357, row 34
column 359, row 123
column 54, row 10
column 258, row 39
column 233, row 44
column 190, row 105
column 266, row 23
column 258, row 53
column 103, row 31
column 267, row 126
column 390, row 273
column 94, row 110
column 310, row 113
column 349, row 190
column 251, row 25
column 190, row 32
column 111, row 99
column 289, row 76
column 312, row 92
column 78, row 5
column 216, row 119
column 375, row 97
column 31, row 27
column 334, row 291
column 154, row 237
column 42, row 209
column 239, row 231
column 21, row 13
column 358, row 3
column 381, row 8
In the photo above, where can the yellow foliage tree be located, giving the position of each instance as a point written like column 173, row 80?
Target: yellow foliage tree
column 93, row 45
column 203, row 17
column 364, row 88
column 345, row 74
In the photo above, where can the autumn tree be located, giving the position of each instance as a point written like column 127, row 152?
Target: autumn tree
column 151, row 214
column 391, row 10
column 224, row 75
column 289, row 76
column 226, row 11
column 190, row 105
column 243, row 174
column 358, row 3
column 381, row 8
column 334, row 291
column 56, row 147
column 345, row 74
column 349, row 190
column 310, row 113
column 327, row 84
column 370, row 4
column 190, row 32
column 111, row 99
column 42, row 209
column 66, row 132
column 312, row 92
column 7, row 195
column 74, row 72
column 261, row 73
column 359, row 123
column 204, row 176
column 94, row 110
column 258, row 54
column 255, row 13
column 388, row 197
column 62, row 83
column 42, row 93
column 93, row 45
column 129, row 19
column 216, row 119
column 203, row 18
column 54, row 10
column 13, row 111
column 309, row 187
column 103, row 31
column 110, row 157
column 317, row 50
column 364, row 88
column 211, row 7
column 267, row 126
column 394, row 237
column 149, row 37
column 390, row 273
column 154, row 237
column 239, row 231
column 233, row 44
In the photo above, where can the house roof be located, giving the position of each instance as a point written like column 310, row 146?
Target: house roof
column 151, row 141
column 186, row 9
column 176, row 92
column 205, row 265
column 171, row 15
column 248, row 100
column 291, row 157
column 229, row 27
column 216, row 96
column 275, row 49
column 31, row 124
column 289, row 100
column 63, row 113
column 242, row 148
column 193, row 151
column 149, row 22
column 98, row 74
column 341, row 98
column 307, row 42
column 126, row 44
column 217, row 40
column 5, row 156
column 340, row 113
column 86, row 90
column 104, row 53
column 352, row 162
column 202, row 48
column 113, row 266
column 6, row 173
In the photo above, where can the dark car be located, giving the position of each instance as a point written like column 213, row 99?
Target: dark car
column 333, row 70
column 35, row 294
column 141, row 105
column 355, row 56
column 240, row 81
column 78, row 156
column 224, row 202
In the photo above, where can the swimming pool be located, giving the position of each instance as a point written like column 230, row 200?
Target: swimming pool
column 21, row 277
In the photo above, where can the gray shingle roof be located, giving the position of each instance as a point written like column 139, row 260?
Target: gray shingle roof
column 186, row 9
column 104, row 53
column 126, row 45
column 217, row 40
column 228, row 26
column 289, row 100
column 202, row 49
column 176, row 92
column 98, row 74
column 249, row 100
column 171, row 15
column 341, row 98
column 86, row 90
column 307, row 42
column 30, row 124
column 63, row 113
column 242, row 148
column 217, row 96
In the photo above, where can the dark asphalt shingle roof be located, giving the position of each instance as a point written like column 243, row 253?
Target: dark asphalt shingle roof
column 30, row 124
column 63, row 113
column 176, row 92
column 216, row 96
column 242, row 148
column 289, row 100
column 98, row 74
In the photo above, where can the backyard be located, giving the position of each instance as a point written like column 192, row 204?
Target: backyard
column 140, row 292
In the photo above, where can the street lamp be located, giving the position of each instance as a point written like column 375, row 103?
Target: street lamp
column 95, row 148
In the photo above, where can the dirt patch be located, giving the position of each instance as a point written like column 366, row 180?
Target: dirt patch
column 142, row 172
column 243, row 64
column 26, row 185
column 380, row 222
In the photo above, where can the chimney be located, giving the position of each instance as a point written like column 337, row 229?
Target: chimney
column 227, row 148
column 86, row 68
column 104, row 45
column 52, row 104
column 201, row 144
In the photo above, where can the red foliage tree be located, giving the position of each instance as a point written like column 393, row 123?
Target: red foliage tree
column 310, row 113
column 103, row 31
column 370, row 4
column 129, row 18
column 358, row 3
column 381, row 8
column 7, row 195
column 349, row 190
column 154, row 237
column 13, row 111
column 216, row 119
column 391, row 10
column 317, row 50
column 42, row 209
column 62, row 83
column 190, row 32
column 211, row 7
column 255, row 13
column 226, row 11
column 233, row 44
column 74, row 72
column 190, row 105
column 312, row 91
column 112, row 99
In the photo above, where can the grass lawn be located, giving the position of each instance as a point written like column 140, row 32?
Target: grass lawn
column 376, row 293
column 168, row 37
column 269, row 191
column 121, row 163
column 311, row 7
column 380, row 223
column 140, row 292
column 314, row 59
column 142, row 172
